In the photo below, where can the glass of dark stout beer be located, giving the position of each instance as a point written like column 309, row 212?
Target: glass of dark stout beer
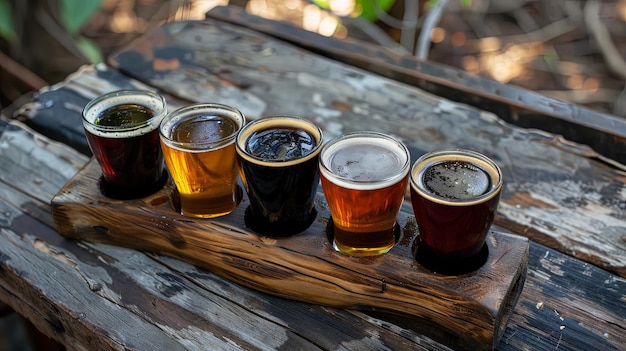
column 198, row 143
column 279, row 168
column 455, row 194
column 364, row 177
column 122, row 132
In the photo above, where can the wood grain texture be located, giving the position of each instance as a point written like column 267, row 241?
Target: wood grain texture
column 554, row 191
column 101, row 297
column 566, row 303
column 605, row 133
column 471, row 309
column 96, row 296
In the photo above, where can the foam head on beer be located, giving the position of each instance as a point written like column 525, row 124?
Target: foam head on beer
column 455, row 177
column 278, row 157
column 364, row 176
column 365, row 163
column 122, row 131
column 123, row 113
column 455, row 194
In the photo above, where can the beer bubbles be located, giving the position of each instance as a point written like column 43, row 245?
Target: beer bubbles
column 365, row 162
column 456, row 180
column 280, row 144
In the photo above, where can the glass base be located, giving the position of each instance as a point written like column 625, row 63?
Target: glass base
column 277, row 229
column 449, row 265
column 360, row 251
column 175, row 203
column 131, row 193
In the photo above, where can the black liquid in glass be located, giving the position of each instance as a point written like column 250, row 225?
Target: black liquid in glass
column 280, row 144
column 281, row 198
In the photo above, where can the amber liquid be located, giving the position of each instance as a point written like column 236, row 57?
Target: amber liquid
column 364, row 243
column 364, row 220
column 206, row 179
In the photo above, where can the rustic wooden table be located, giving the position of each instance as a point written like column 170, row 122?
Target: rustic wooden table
column 567, row 196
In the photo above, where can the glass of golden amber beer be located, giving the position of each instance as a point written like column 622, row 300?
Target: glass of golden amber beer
column 279, row 167
column 122, row 131
column 364, row 177
column 455, row 194
column 198, row 143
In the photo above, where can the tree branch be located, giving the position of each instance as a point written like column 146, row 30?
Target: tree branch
column 614, row 60
column 432, row 18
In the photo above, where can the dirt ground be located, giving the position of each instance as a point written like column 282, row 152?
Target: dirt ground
column 567, row 49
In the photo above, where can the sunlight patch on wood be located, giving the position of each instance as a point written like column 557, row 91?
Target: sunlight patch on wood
column 43, row 247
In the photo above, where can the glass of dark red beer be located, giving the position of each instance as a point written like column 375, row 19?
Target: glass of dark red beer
column 278, row 161
column 455, row 194
column 122, row 131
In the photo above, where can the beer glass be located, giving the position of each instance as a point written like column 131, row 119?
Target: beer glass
column 198, row 143
column 455, row 194
column 364, row 177
column 122, row 132
column 279, row 167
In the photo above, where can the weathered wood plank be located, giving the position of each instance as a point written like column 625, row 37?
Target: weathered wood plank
column 94, row 296
column 557, row 207
column 590, row 300
column 37, row 281
column 566, row 304
column 28, row 156
column 603, row 132
column 55, row 111
column 108, row 298
column 556, row 313
column 472, row 309
column 555, row 190
column 91, row 296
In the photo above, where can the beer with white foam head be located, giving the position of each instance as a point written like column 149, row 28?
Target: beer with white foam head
column 122, row 131
column 364, row 177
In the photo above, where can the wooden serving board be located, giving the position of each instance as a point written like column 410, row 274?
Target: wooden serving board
column 469, row 310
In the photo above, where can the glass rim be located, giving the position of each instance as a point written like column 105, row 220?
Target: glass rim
column 159, row 113
column 491, row 167
column 278, row 121
column 196, row 109
column 393, row 179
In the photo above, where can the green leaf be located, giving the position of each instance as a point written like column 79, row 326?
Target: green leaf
column 325, row 4
column 88, row 48
column 6, row 22
column 430, row 4
column 368, row 7
column 75, row 13
column 550, row 55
